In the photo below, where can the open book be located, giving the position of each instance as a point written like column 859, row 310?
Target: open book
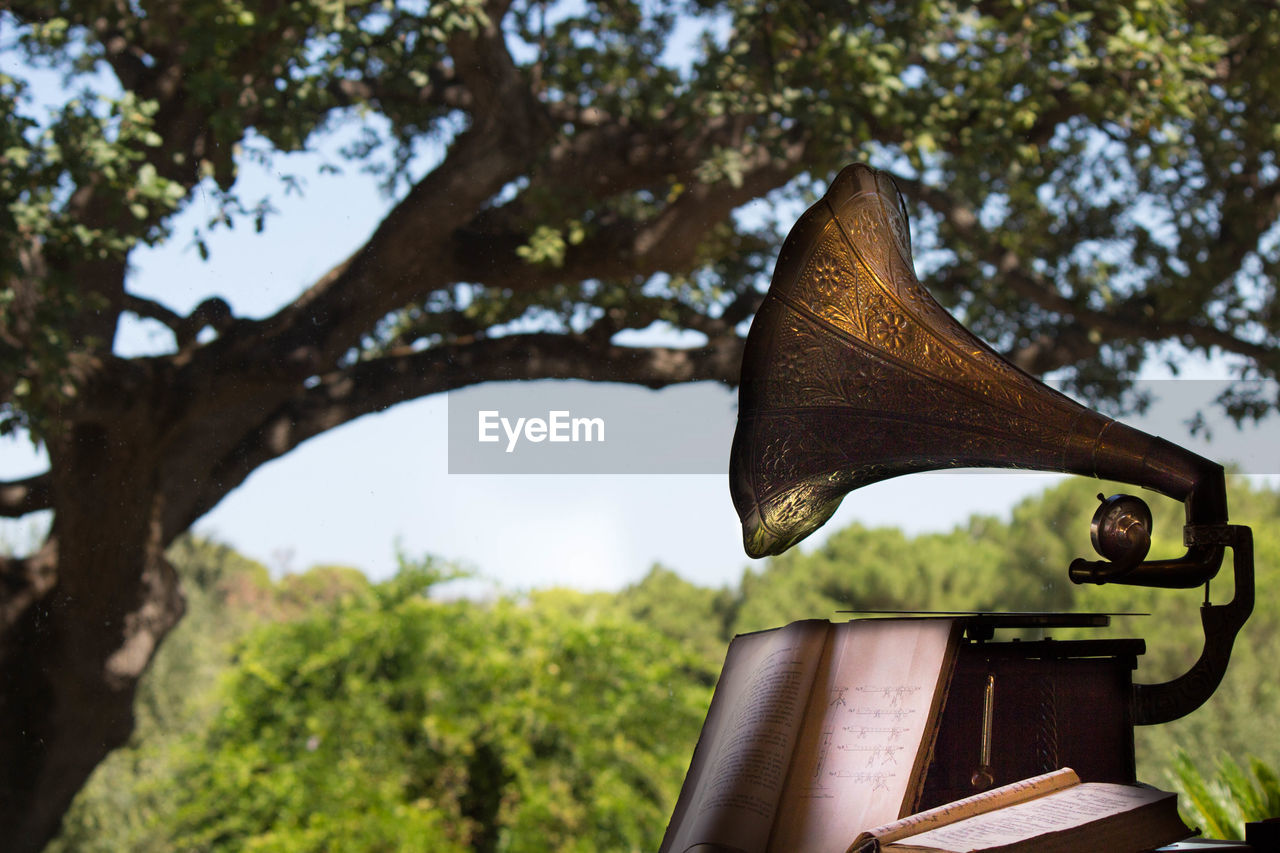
column 816, row 732
column 1053, row 813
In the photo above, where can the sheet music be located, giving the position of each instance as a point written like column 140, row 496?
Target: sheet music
column 765, row 683
column 856, row 753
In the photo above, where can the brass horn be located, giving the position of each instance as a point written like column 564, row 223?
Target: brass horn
column 853, row 373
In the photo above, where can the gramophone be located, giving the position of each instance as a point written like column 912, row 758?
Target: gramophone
column 853, row 373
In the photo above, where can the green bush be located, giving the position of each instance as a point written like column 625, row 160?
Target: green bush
column 391, row 721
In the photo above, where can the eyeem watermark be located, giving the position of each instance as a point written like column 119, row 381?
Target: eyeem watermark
column 559, row 426
column 592, row 428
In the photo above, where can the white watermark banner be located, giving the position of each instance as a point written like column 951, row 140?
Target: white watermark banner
column 573, row 427
column 590, row 428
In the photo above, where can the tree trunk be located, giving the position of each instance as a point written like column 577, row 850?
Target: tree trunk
column 81, row 619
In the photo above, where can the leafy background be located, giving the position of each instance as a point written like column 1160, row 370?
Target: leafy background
column 321, row 711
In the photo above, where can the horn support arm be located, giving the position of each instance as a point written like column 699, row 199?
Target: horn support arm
column 1169, row 700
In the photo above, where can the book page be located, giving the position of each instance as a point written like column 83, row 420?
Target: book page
column 874, row 708
column 731, row 792
column 1066, row 809
column 996, row 798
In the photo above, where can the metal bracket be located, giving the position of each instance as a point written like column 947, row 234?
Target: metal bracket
column 1161, row 703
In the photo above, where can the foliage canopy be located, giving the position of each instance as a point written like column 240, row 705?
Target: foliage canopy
column 1089, row 179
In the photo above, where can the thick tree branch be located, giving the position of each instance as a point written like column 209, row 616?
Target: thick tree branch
column 620, row 157
column 373, row 386
column 1070, row 342
column 498, row 87
column 1049, row 352
column 152, row 310
column 133, row 64
column 21, row 497
column 1125, row 320
column 1203, row 334
column 641, row 311
column 627, row 248
column 416, row 250
column 410, row 254
column 1249, row 211
column 442, row 89
column 958, row 213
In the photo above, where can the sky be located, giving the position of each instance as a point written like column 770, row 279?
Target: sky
column 358, row 494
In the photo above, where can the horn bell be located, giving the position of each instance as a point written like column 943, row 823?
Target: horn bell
column 853, row 374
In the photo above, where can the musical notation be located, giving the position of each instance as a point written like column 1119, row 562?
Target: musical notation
column 895, row 714
column 890, row 733
column 865, row 733
column 881, row 753
column 896, row 694
column 876, row 781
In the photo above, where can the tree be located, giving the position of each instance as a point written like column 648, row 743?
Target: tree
column 1090, row 181
column 388, row 721
column 128, row 803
